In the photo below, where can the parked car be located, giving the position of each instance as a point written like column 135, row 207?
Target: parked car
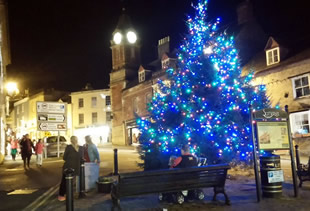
column 51, row 145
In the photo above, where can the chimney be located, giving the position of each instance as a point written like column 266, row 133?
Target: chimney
column 163, row 46
column 245, row 12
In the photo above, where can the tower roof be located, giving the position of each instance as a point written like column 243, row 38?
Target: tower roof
column 124, row 22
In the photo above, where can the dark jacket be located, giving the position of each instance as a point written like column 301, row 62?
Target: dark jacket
column 73, row 158
column 187, row 161
column 26, row 147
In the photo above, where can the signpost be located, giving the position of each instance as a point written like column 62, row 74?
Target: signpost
column 273, row 133
column 52, row 116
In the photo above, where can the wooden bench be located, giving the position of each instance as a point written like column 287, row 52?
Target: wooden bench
column 170, row 180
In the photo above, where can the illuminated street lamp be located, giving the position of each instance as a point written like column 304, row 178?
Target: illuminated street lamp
column 11, row 88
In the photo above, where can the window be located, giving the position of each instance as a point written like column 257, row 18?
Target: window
column 81, row 102
column 300, row 123
column 81, row 119
column 142, row 76
column 273, row 56
column 108, row 100
column 94, row 117
column 23, row 108
column 165, row 64
column 135, row 105
column 108, row 116
column 17, row 109
column 148, row 98
column 301, row 86
column 93, row 101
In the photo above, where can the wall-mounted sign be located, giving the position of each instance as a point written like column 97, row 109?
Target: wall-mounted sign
column 51, row 116
column 272, row 135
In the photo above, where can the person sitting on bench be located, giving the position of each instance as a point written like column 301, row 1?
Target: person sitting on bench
column 186, row 159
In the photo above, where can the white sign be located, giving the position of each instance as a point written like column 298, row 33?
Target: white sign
column 51, row 117
column 51, row 107
column 48, row 126
column 275, row 176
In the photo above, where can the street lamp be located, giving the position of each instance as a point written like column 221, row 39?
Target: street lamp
column 11, row 88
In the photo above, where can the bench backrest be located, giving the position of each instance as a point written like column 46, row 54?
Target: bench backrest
column 170, row 180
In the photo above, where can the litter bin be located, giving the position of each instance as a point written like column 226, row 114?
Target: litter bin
column 104, row 184
column 271, row 176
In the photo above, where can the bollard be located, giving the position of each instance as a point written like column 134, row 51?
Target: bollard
column 297, row 158
column 82, row 179
column 115, row 162
column 69, row 189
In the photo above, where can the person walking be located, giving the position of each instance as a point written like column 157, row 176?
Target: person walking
column 91, row 153
column 26, row 147
column 72, row 157
column 39, row 152
column 14, row 146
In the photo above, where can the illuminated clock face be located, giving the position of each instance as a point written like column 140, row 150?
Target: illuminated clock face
column 117, row 38
column 131, row 37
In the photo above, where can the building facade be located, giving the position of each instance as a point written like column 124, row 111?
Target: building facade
column 5, row 59
column 25, row 114
column 132, row 83
column 286, row 73
column 91, row 115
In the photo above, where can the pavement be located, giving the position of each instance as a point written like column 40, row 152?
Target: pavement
column 241, row 191
column 240, row 188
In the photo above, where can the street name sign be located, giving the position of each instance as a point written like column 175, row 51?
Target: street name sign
column 51, row 116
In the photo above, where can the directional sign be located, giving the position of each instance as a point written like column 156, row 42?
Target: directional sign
column 48, row 126
column 51, row 116
column 51, row 107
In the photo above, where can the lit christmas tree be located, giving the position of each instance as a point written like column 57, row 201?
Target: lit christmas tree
column 206, row 102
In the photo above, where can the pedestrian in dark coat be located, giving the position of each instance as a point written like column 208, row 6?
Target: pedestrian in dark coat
column 72, row 157
column 26, row 147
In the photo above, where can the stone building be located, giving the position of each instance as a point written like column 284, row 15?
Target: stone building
column 132, row 82
column 91, row 115
column 285, row 70
column 5, row 59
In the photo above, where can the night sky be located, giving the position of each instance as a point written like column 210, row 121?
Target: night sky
column 65, row 44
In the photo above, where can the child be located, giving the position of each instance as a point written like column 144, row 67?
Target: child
column 39, row 152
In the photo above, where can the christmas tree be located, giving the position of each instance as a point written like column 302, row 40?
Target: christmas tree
column 204, row 102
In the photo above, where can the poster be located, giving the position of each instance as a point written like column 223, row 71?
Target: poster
column 272, row 135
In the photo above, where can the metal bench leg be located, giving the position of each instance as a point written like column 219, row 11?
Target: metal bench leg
column 221, row 190
column 116, row 203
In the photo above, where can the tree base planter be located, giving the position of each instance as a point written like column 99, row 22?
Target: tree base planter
column 104, row 184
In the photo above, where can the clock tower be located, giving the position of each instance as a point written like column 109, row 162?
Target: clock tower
column 125, row 63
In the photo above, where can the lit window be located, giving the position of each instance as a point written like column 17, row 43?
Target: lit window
column 23, row 108
column 17, row 109
column 301, row 86
column 108, row 100
column 165, row 64
column 141, row 76
column 300, row 123
column 273, row 56
column 81, row 119
column 94, row 117
column 94, row 101
column 81, row 103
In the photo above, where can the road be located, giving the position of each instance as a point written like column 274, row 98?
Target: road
column 21, row 188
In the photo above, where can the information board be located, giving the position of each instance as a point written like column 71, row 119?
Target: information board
column 272, row 135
